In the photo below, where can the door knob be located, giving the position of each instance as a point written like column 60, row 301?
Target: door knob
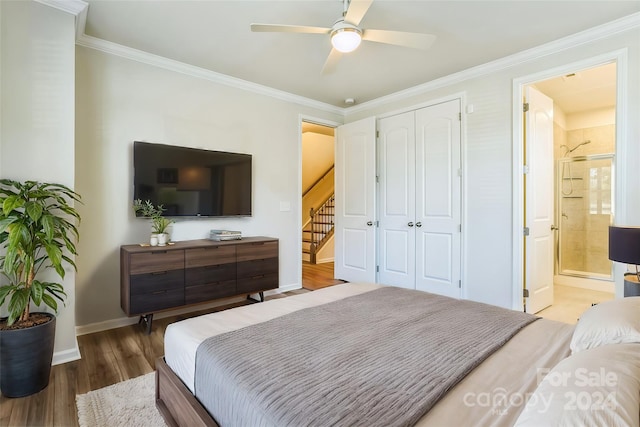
column 369, row 223
column 418, row 224
column 410, row 224
column 553, row 227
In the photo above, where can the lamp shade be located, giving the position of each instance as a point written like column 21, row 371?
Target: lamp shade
column 624, row 244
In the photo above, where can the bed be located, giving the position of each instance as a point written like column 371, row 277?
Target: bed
column 492, row 391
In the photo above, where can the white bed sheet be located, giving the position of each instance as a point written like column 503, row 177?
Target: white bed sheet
column 512, row 372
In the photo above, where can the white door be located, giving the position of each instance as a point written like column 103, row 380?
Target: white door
column 438, row 199
column 539, row 200
column 396, row 200
column 355, row 166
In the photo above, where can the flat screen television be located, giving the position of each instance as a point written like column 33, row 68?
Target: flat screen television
column 192, row 182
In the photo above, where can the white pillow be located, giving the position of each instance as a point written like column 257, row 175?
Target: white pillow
column 597, row 387
column 610, row 322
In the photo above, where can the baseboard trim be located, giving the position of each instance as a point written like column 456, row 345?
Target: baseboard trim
column 65, row 356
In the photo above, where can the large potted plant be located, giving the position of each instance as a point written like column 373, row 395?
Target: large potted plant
column 159, row 223
column 37, row 232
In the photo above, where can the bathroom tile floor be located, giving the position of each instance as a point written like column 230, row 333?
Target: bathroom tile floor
column 569, row 303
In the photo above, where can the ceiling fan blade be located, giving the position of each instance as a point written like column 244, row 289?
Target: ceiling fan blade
column 275, row 28
column 356, row 11
column 400, row 38
column 331, row 62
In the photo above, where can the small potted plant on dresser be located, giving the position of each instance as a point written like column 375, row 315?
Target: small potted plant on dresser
column 159, row 223
column 37, row 231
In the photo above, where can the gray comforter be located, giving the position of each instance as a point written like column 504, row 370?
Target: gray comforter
column 382, row 358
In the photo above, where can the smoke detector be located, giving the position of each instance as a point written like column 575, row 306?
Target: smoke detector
column 349, row 101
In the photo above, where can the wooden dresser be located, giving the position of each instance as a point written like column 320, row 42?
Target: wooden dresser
column 157, row 278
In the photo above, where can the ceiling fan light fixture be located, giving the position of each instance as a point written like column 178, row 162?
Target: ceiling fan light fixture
column 346, row 39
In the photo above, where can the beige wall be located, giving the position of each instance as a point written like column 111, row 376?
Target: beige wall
column 37, row 134
column 119, row 101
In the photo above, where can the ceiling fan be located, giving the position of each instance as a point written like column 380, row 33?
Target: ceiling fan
column 346, row 34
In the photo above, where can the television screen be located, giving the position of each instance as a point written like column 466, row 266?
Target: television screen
column 192, row 182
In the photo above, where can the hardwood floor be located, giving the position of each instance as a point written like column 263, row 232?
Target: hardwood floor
column 108, row 357
column 317, row 276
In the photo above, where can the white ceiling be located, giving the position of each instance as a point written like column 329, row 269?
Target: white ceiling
column 215, row 35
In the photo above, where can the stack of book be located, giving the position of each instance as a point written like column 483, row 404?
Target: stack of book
column 219, row 235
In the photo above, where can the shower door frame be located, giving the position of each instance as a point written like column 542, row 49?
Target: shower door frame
column 558, row 214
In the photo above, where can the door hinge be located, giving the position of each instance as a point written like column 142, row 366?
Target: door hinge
column 377, row 268
column 525, row 169
column 377, row 134
column 525, row 107
column 460, row 228
column 377, row 223
column 377, row 179
column 525, row 231
column 459, row 117
column 525, row 293
column 460, row 284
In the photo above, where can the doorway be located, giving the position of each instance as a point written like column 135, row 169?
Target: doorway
column 317, row 204
column 583, row 186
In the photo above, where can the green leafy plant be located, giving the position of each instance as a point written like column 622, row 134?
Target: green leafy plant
column 159, row 223
column 37, row 231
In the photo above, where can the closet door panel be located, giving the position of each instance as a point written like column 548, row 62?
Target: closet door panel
column 396, row 177
column 438, row 195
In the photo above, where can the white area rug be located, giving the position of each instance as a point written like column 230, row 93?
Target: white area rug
column 125, row 404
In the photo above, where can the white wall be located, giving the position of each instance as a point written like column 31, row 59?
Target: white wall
column 37, row 135
column 119, row 101
column 487, row 156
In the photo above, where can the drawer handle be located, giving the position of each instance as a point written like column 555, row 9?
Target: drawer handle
column 211, row 248
column 158, row 252
column 159, row 292
column 158, row 273
column 258, row 243
column 258, row 277
column 213, row 267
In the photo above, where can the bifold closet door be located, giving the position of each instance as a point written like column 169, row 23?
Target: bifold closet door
column 396, row 202
column 438, row 199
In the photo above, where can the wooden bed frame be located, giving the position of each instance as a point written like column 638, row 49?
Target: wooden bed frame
column 177, row 405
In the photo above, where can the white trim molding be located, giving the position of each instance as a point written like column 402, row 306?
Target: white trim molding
column 202, row 73
column 596, row 33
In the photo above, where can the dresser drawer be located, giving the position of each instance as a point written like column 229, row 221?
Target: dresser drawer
column 257, row 266
column 152, row 261
column 210, row 273
column 210, row 255
column 257, row 250
column 257, row 283
column 156, row 301
column 142, row 284
column 209, row 291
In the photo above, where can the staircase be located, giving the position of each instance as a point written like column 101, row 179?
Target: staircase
column 319, row 228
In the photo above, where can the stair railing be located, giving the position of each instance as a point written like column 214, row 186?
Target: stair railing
column 321, row 226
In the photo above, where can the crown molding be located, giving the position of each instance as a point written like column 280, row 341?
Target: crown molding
column 191, row 70
column 79, row 8
column 593, row 34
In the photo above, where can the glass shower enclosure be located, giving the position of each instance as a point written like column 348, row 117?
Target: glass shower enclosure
column 584, row 212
